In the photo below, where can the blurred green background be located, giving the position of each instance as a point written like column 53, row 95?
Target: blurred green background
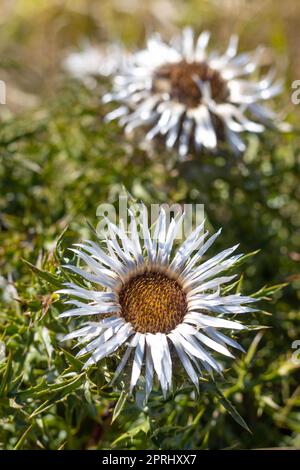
column 59, row 161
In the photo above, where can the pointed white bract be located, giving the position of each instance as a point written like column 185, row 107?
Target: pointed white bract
column 153, row 93
column 92, row 61
column 194, row 340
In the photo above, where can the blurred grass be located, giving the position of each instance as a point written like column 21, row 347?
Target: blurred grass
column 58, row 162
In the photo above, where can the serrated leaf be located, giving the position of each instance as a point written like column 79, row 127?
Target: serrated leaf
column 266, row 291
column 60, row 394
column 141, row 425
column 73, row 361
column 57, row 254
column 243, row 260
column 230, row 408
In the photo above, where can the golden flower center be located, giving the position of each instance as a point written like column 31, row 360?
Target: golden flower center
column 178, row 80
column 152, row 303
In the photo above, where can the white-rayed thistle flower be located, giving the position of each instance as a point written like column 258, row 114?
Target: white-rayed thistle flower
column 192, row 97
column 157, row 304
column 91, row 62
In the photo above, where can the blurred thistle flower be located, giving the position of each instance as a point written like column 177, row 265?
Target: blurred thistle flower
column 92, row 62
column 191, row 97
column 158, row 304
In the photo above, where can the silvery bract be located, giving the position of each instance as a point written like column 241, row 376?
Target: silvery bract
column 194, row 98
column 156, row 303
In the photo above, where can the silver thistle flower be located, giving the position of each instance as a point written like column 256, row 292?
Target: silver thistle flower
column 156, row 302
column 192, row 97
